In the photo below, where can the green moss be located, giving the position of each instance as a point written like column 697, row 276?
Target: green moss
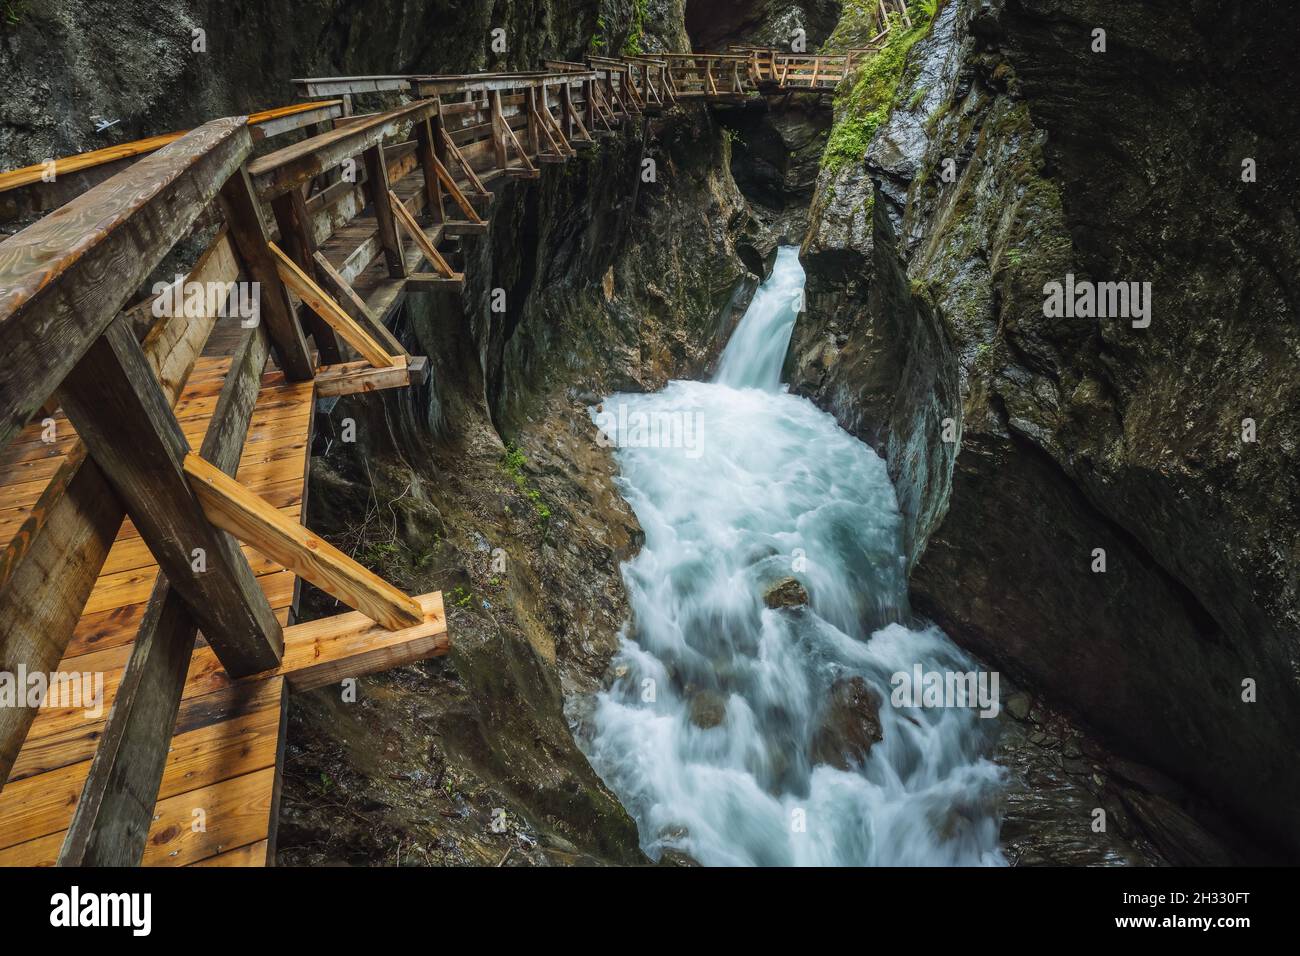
column 513, row 463
column 633, row 45
column 868, row 94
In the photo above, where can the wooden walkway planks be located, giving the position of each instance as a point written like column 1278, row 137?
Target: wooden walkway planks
column 224, row 755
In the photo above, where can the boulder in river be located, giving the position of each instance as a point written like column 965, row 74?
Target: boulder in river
column 850, row 726
column 787, row 592
column 708, row 709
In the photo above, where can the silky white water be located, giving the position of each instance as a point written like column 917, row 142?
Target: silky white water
column 738, row 484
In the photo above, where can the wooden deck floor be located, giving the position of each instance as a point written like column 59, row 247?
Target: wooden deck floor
column 222, row 770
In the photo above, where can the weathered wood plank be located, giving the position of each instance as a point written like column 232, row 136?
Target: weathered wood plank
column 121, row 413
column 64, row 278
column 294, row 165
column 324, row 651
column 353, row 377
column 231, row 506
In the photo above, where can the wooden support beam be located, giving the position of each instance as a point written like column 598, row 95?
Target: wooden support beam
column 65, row 278
column 325, row 651
column 113, row 816
column 432, row 282
column 235, row 509
column 377, row 184
column 466, row 168
column 464, row 229
column 460, row 198
column 119, row 410
column 314, row 296
column 350, row 378
column 357, row 308
column 430, row 251
column 299, row 241
column 248, row 233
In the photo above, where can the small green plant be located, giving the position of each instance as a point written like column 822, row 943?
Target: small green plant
column 513, row 463
column 634, row 45
column 461, row 597
column 13, row 11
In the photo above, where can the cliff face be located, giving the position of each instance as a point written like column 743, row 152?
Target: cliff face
column 712, row 24
column 1021, row 443
column 67, row 61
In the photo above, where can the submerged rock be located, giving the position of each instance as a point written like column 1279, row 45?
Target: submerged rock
column 787, row 592
column 708, row 709
column 851, row 725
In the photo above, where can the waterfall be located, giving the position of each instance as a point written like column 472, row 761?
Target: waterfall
column 739, row 733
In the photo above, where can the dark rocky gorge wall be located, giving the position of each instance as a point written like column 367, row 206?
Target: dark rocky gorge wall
column 134, row 63
column 1020, row 444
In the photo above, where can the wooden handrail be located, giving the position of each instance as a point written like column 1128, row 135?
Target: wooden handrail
column 53, row 302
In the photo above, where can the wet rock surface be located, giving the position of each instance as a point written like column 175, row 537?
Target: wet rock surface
column 1025, row 448
column 787, row 592
column 850, row 725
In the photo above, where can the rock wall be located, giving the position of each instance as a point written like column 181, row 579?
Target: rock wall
column 1021, row 444
column 66, row 61
column 712, row 24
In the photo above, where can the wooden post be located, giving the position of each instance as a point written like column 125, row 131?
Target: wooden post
column 297, row 239
column 113, row 399
column 498, row 131
column 377, row 178
column 248, row 234
column 427, row 151
column 534, row 137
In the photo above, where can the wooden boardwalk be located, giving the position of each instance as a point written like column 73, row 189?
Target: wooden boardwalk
column 228, row 735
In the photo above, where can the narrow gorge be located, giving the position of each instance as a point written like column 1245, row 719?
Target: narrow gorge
column 752, row 432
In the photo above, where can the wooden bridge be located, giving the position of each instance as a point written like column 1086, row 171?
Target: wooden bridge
column 154, row 448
